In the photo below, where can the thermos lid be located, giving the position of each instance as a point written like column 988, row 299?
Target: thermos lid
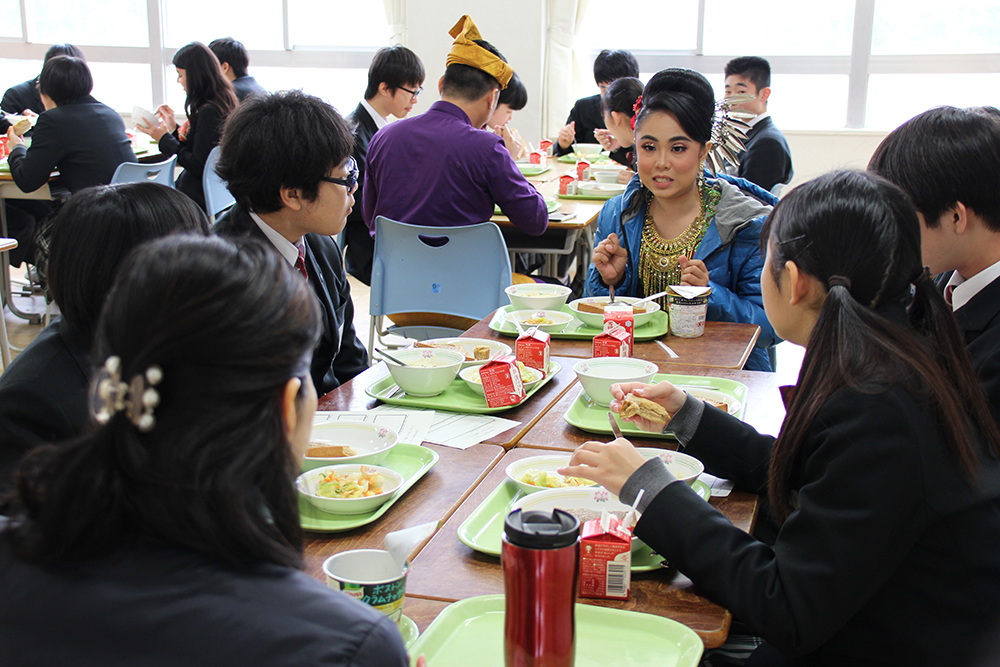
column 541, row 530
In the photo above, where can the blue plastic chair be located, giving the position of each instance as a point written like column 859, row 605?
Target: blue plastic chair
column 217, row 195
column 136, row 172
column 461, row 271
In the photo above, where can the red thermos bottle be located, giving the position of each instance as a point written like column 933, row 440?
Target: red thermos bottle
column 540, row 558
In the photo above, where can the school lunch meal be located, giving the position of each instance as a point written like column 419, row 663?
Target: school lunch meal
column 479, row 353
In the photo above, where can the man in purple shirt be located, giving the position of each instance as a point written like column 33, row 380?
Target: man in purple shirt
column 440, row 168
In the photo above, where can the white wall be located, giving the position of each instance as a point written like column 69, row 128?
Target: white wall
column 516, row 27
column 817, row 152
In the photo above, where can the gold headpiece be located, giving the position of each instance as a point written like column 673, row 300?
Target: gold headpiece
column 465, row 51
column 729, row 131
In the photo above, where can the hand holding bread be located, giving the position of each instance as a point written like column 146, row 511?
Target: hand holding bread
column 648, row 406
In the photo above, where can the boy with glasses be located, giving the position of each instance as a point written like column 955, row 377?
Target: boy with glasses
column 286, row 158
column 395, row 81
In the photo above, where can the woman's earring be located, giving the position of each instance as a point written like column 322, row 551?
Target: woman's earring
column 701, row 179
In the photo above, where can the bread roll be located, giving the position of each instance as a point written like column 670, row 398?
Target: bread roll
column 445, row 346
column 636, row 406
column 324, row 450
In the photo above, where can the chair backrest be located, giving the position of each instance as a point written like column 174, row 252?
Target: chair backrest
column 217, row 196
column 136, row 172
column 450, row 270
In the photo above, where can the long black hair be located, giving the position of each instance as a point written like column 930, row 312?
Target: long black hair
column 205, row 82
column 882, row 321
column 228, row 324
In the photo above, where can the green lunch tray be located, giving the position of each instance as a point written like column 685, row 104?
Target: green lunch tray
column 573, row 158
column 472, row 631
column 483, row 530
column 551, row 205
column 590, row 197
column 456, row 398
column 577, row 330
column 532, row 169
column 587, row 415
column 410, row 461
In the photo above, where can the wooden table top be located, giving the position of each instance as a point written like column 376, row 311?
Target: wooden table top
column 351, row 396
column 433, row 498
column 764, row 411
column 724, row 345
column 446, row 570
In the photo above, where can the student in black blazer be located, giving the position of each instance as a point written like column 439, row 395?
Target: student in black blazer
column 234, row 60
column 395, row 80
column 82, row 138
column 286, row 158
column 948, row 161
column 24, row 98
column 210, row 99
column 44, row 393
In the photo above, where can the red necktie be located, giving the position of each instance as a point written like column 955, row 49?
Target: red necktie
column 300, row 263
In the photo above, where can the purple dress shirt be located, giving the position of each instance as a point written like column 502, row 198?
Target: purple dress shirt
column 437, row 170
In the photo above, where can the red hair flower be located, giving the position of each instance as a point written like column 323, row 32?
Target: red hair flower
column 635, row 110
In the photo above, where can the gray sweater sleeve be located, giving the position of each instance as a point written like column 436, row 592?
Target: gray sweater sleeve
column 685, row 421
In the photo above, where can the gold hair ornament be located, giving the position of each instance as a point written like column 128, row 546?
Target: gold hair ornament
column 136, row 398
column 729, row 131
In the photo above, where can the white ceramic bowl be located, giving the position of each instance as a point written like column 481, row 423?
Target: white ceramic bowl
column 308, row 483
column 605, row 176
column 682, row 466
column 587, row 149
column 529, row 379
column 597, row 375
column 428, row 380
column 470, row 344
column 548, row 464
column 557, row 318
column 592, row 498
column 372, row 443
column 597, row 319
column 538, row 296
column 602, row 189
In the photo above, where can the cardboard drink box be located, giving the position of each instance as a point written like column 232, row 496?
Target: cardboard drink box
column 566, row 181
column 605, row 559
column 539, row 158
column 545, row 146
column 532, row 349
column 502, row 381
column 621, row 314
column 613, row 342
column 583, row 170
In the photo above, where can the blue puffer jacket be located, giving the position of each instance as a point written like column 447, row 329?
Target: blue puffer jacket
column 730, row 250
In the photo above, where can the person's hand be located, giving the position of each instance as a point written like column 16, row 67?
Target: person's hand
column 609, row 259
column 13, row 139
column 167, row 115
column 567, row 135
column 510, row 140
column 625, row 175
column 608, row 464
column 693, row 272
column 664, row 393
column 29, row 113
column 156, row 132
column 606, row 140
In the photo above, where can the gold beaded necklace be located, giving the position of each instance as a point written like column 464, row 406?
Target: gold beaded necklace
column 659, row 266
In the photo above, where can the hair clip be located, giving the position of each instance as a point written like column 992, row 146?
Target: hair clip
column 137, row 398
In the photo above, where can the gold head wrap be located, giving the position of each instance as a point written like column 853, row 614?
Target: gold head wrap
column 465, row 51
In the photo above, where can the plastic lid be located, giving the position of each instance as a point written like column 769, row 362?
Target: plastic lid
column 541, row 530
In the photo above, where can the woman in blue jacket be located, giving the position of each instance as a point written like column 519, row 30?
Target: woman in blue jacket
column 673, row 226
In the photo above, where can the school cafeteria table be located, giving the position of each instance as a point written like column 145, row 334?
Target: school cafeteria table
column 447, row 570
column 724, row 345
column 351, row 396
column 560, row 238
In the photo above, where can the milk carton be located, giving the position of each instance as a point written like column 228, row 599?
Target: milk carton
column 605, row 559
column 539, row 158
column 532, row 349
column 612, row 342
column 502, row 382
column 621, row 314
column 583, row 170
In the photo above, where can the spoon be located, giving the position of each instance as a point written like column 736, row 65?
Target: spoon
column 611, row 293
column 517, row 324
column 629, row 517
column 391, row 358
column 651, row 297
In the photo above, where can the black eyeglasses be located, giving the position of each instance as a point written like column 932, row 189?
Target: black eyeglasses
column 413, row 93
column 352, row 176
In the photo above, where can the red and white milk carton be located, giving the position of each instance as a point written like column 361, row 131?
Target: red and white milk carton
column 612, row 342
column 621, row 314
column 583, row 170
column 502, row 381
column 539, row 158
column 545, row 146
column 568, row 185
column 605, row 559
column 532, row 349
